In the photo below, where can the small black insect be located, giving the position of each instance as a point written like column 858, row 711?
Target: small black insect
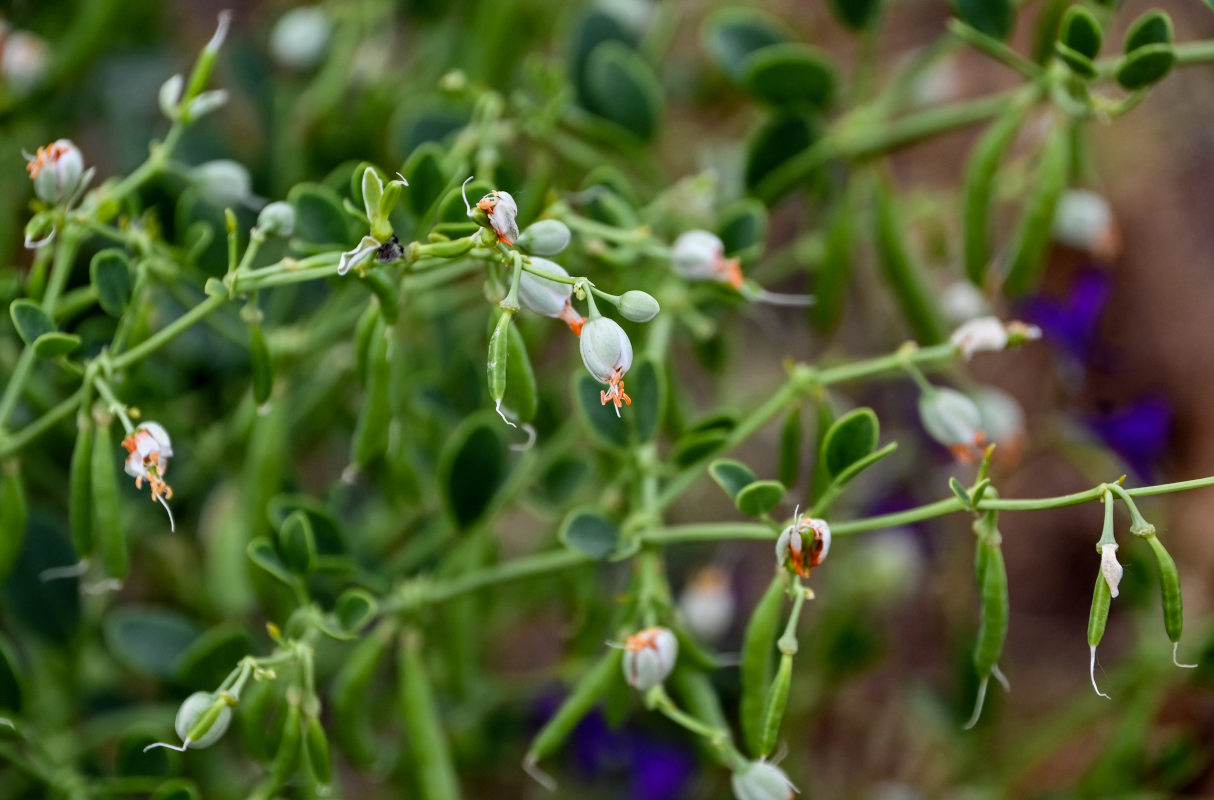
column 389, row 251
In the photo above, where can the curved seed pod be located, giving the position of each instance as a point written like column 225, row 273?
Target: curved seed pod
column 284, row 757
column 1097, row 617
column 1028, row 248
column 370, row 437
column 979, row 189
column 499, row 359
column 107, row 522
column 773, row 711
column 992, row 625
column 80, row 496
column 757, row 649
column 262, row 367
column 431, row 757
column 363, row 331
column 351, row 722
column 835, row 269
column 1173, row 606
column 520, row 378
column 316, row 747
column 902, row 273
column 585, row 695
column 256, row 707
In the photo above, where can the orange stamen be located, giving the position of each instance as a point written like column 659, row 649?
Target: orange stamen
column 574, row 320
column 730, row 271
column 45, row 155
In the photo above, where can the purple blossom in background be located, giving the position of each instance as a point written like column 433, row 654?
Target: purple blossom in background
column 1137, row 432
column 1071, row 323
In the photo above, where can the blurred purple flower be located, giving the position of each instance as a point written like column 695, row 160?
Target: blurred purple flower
column 1137, row 432
column 1071, row 323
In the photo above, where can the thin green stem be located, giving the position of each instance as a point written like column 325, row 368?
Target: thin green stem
column 116, row 406
column 9, row 445
column 167, row 333
column 995, row 49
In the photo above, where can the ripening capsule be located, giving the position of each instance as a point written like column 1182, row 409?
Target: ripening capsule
column 192, row 711
column 649, row 657
column 760, row 780
column 549, row 298
column 803, row 545
column 607, row 354
column 56, row 170
column 548, row 237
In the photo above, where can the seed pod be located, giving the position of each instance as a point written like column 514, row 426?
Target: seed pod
column 364, row 330
column 316, row 746
column 436, row 777
column 202, row 719
column 370, row 433
column 902, row 272
column 773, row 710
column 107, row 521
column 261, row 365
column 694, row 691
column 1173, row 607
column 584, row 696
column 449, row 249
column 992, row 624
column 1097, row 618
column 1028, row 248
column 499, row 359
column 284, row 757
column 979, row 189
column 522, row 395
column 757, row 649
column 13, row 515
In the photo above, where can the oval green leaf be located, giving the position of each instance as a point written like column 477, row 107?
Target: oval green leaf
column 1146, row 65
column 30, row 320
column 695, row 445
column 110, row 273
column 732, row 476
column 760, row 497
column 732, row 35
column 355, row 609
column 1081, row 32
column 149, row 640
column 624, row 89
column 1153, row 27
column 852, row 437
column 788, row 74
column 472, row 468
column 203, row 665
column 992, row 17
column 590, row 533
column 261, row 551
column 426, row 176
column 775, row 143
column 319, row 216
column 55, row 344
column 742, row 228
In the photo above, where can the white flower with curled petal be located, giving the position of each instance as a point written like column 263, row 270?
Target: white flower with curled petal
column 148, row 451
column 503, row 213
column 1110, row 568
column 989, row 334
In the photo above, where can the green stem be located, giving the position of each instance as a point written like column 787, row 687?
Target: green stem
column 995, row 49
column 167, row 333
column 115, row 405
column 719, row 738
column 10, row 445
column 505, row 572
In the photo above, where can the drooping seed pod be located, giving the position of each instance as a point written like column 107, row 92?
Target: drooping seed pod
column 993, row 609
column 649, row 656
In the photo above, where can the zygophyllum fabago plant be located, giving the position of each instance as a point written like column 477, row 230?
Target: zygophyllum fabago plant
column 363, row 402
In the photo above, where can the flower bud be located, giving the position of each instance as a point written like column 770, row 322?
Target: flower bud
column 300, row 37
column 707, row 604
column 225, row 183
column 205, row 103
column 700, row 256
column 1110, row 568
column 501, row 211
column 607, row 354
column 538, row 294
column 803, row 545
column 170, row 96
column 649, row 657
column 760, row 780
column 548, row 237
column 24, row 59
column 277, row 219
column 56, row 170
column 961, row 301
column 204, row 714
column 986, row 334
column 638, row 306
column 1084, row 221
column 953, row 420
column 1002, row 418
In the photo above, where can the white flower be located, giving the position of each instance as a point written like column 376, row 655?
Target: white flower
column 23, row 60
column 707, row 604
column 649, row 657
column 362, row 252
column 961, row 300
column 57, row 170
column 794, row 552
column 607, row 354
column 148, row 452
column 700, row 256
column 225, row 183
column 1084, row 221
column 988, row 334
column 502, row 211
column 300, row 37
column 549, row 298
column 953, row 420
column 760, row 780
column 1110, row 568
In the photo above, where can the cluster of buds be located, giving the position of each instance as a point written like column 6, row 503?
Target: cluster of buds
column 761, row 780
column 700, row 256
column 803, row 545
column 649, row 657
column 148, row 451
column 989, row 334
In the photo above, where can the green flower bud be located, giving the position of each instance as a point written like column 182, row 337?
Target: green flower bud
column 277, row 219
column 638, row 306
column 548, row 237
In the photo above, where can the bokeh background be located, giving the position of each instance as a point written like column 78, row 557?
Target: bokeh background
column 1120, row 384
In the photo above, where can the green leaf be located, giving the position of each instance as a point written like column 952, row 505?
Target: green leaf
column 426, row 176
column 327, row 534
column 1146, row 65
column 774, row 143
column 261, row 551
column 760, row 497
column 522, row 396
column 695, row 445
column 1153, row 27
column 647, row 388
column 624, row 89
column 55, row 344
column 14, row 516
column 589, row 532
column 472, row 468
column 176, row 789
column 319, row 216
column 297, row 543
column 788, row 74
column 607, row 429
column 1078, row 62
column 11, row 680
column 992, row 17
column 30, row 320
column 355, row 609
column 110, row 273
column 852, row 437
column 732, row 35
column 149, row 640
column 856, row 467
column 1081, row 32
column 960, row 492
column 732, row 476
column 742, row 228
column 132, row 759
column 856, row 14
column 592, row 29
column 210, row 657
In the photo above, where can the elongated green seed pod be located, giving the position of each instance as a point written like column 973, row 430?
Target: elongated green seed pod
column 370, row 432
column 830, row 288
column 992, row 627
column 432, row 763
column 316, row 747
column 256, row 707
column 499, row 355
column 351, row 720
column 522, row 396
column 80, row 495
column 585, row 695
column 1097, row 618
column 1169, row 582
column 757, row 650
column 1028, row 248
column 902, row 273
column 285, row 756
column 979, row 189
column 364, row 330
column 386, row 292
column 449, row 249
column 260, row 365
column 107, row 522
column 773, row 711
column 13, row 516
